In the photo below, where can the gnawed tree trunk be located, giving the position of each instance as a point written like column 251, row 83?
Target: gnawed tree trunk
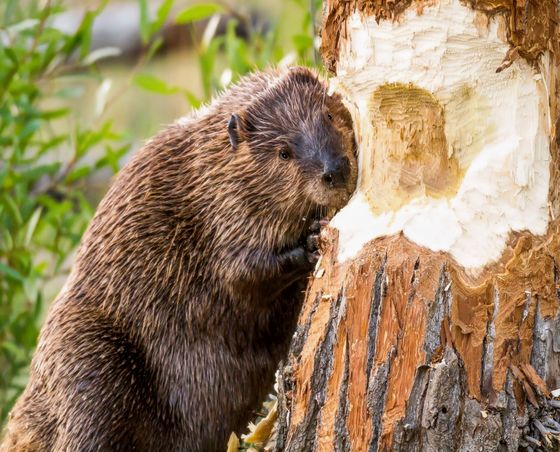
column 433, row 321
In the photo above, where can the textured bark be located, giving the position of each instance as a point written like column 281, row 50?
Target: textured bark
column 402, row 348
column 399, row 356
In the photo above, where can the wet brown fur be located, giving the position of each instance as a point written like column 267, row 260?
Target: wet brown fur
column 187, row 284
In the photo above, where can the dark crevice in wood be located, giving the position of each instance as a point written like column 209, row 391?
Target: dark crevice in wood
column 414, row 278
column 305, row 435
column 553, row 379
column 284, row 407
column 487, row 366
column 342, row 436
column 413, row 282
column 540, row 351
column 300, row 336
column 377, row 296
column 408, row 432
column 377, row 396
column 439, row 309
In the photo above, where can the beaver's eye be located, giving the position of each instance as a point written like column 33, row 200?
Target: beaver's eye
column 329, row 116
column 284, row 155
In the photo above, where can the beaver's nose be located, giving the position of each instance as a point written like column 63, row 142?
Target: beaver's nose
column 336, row 173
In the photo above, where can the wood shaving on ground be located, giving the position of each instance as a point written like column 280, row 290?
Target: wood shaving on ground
column 233, row 443
column 261, row 433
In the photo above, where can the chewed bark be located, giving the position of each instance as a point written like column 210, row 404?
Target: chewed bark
column 399, row 358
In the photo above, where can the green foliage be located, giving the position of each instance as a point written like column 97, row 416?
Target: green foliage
column 224, row 58
column 197, row 12
column 47, row 151
column 260, row 49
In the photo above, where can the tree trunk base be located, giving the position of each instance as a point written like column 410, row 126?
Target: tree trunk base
column 436, row 360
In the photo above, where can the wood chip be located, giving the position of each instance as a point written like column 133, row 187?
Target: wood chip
column 319, row 273
column 263, row 429
column 533, row 378
column 233, row 443
column 526, row 386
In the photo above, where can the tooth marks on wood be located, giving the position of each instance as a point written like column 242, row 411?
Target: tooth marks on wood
column 531, row 28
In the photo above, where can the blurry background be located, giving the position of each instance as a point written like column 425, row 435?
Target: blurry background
column 82, row 84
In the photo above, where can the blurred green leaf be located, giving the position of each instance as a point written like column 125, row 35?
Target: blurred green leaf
column 12, row 56
column 29, row 129
column 78, row 173
column 154, row 84
column 70, row 92
column 38, row 171
column 31, row 225
column 15, row 351
column 23, row 25
column 53, row 114
column 207, row 61
column 161, row 16
column 6, row 241
column 11, row 273
column 82, row 38
column 197, row 12
column 154, row 47
column 12, row 208
column 303, row 42
column 193, row 100
column 144, row 21
column 84, row 33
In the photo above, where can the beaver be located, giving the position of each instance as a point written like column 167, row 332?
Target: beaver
column 187, row 284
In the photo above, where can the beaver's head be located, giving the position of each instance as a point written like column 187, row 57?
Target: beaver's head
column 302, row 139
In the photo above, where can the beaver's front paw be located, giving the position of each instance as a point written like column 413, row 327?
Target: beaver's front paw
column 303, row 258
column 312, row 241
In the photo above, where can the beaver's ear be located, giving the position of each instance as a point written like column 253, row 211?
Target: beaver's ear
column 238, row 129
column 233, row 131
